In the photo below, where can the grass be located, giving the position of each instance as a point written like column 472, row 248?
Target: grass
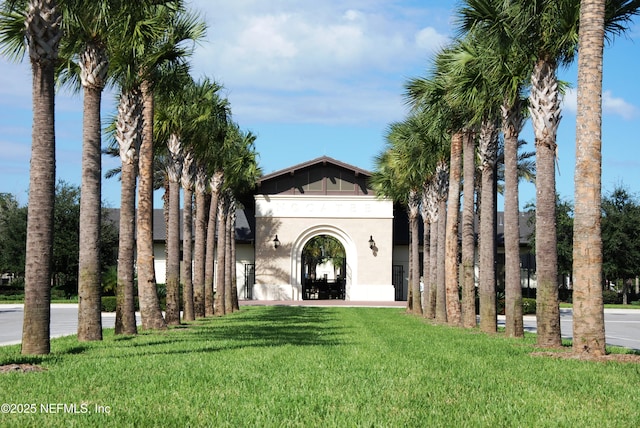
column 277, row 366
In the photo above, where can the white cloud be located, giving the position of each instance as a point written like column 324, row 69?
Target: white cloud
column 611, row 105
column 296, row 56
column 618, row 106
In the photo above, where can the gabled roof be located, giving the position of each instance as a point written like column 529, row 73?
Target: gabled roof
column 321, row 161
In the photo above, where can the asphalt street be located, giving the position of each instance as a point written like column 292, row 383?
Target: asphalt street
column 622, row 326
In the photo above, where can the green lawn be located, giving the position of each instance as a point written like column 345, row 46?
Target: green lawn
column 309, row 366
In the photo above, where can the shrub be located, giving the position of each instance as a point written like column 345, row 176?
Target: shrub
column 610, row 297
column 108, row 303
column 528, row 306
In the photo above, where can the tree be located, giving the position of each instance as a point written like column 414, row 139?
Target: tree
column 152, row 55
column 66, row 238
column 187, row 181
column 127, row 135
column 588, row 309
column 13, row 235
column 508, row 69
column 175, row 116
column 84, row 50
column 620, row 236
column 35, row 25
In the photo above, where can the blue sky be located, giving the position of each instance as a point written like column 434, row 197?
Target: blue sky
column 323, row 78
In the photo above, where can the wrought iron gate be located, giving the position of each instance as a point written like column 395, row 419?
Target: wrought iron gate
column 249, row 280
column 398, row 282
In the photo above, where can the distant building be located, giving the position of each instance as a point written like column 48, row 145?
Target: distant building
column 326, row 197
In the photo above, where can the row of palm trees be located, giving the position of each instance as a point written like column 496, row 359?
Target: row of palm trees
column 500, row 70
column 142, row 49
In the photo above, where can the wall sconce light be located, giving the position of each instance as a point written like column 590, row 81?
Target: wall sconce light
column 276, row 242
column 372, row 243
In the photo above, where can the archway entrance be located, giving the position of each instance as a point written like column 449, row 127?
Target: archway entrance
column 323, row 265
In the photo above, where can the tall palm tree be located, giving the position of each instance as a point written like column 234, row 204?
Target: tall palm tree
column 401, row 171
column 220, row 300
column 128, row 128
column 550, row 36
column 485, row 20
column 202, row 201
column 153, row 56
column 36, row 25
column 588, row 313
column 85, row 49
column 588, row 310
column 187, row 180
column 438, row 94
column 211, row 151
column 175, row 119
column 242, row 172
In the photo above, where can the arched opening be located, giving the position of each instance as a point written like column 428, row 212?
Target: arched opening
column 323, row 265
column 349, row 274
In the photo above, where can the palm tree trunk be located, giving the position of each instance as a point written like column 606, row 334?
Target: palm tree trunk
column 187, row 255
column 468, row 235
column 414, row 208
column 200, row 244
column 431, row 296
column 172, row 313
column 488, row 149
column 216, row 184
column 220, row 297
column 127, row 134
column 43, row 34
column 545, row 114
column 426, row 260
column 233, row 274
column 149, row 303
column 588, row 310
column 229, row 263
column 89, row 279
column 451, row 239
column 441, row 286
column 125, row 307
column 512, row 122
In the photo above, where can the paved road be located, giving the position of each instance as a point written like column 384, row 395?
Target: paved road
column 64, row 321
column 622, row 326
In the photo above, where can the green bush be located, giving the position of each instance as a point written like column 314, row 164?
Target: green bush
column 108, row 303
column 610, row 297
column 528, row 306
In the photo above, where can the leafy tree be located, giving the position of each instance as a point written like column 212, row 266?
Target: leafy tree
column 321, row 249
column 66, row 237
column 564, row 227
column 620, row 235
column 13, row 235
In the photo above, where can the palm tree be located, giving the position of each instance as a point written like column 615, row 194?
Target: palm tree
column 128, row 127
column 187, row 181
column 486, row 21
column 401, row 172
column 588, row 312
column 202, row 201
column 588, row 309
column 38, row 24
column 176, row 116
column 242, row 173
column 153, row 55
column 220, row 299
column 87, row 27
column 438, row 95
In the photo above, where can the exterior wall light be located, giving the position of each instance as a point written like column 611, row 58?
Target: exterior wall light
column 372, row 243
column 276, row 242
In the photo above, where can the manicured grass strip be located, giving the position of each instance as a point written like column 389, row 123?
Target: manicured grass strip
column 308, row 366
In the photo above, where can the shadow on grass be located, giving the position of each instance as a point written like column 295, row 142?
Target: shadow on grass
column 249, row 328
